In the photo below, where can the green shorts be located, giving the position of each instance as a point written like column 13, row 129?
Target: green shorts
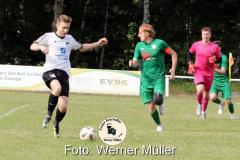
column 147, row 90
column 226, row 90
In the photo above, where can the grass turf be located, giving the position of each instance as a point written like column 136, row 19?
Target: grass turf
column 22, row 137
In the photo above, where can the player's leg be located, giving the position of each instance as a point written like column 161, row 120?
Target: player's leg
column 60, row 113
column 230, row 105
column 158, row 100
column 158, row 92
column 208, row 80
column 231, row 108
column 217, row 101
column 213, row 96
column 154, row 114
column 62, row 100
column 147, row 97
column 226, row 94
column 199, row 83
column 52, row 101
column 205, row 103
column 199, row 94
column 52, row 83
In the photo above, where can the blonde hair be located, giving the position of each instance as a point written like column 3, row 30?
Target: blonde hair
column 64, row 18
column 148, row 28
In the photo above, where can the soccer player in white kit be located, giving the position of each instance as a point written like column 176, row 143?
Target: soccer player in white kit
column 57, row 47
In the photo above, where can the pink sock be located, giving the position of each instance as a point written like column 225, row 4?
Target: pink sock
column 204, row 104
column 199, row 98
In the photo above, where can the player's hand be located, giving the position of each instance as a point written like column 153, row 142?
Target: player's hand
column 130, row 63
column 44, row 50
column 216, row 66
column 212, row 59
column 102, row 41
column 172, row 73
column 191, row 68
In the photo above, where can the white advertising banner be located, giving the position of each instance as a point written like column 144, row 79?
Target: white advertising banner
column 21, row 77
column 82, row 80
column 105, row 81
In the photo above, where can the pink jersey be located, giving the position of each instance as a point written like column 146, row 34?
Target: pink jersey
column 203, row 52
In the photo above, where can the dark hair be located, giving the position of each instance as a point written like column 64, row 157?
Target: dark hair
column 218, row 43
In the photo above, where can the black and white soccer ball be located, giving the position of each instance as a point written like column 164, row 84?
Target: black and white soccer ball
column 88, row 133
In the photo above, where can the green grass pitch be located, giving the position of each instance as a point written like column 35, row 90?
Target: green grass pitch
column 22, row 136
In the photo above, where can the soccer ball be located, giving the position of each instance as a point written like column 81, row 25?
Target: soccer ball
column 88, row 133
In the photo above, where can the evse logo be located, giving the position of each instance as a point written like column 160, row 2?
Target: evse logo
column 113, row 82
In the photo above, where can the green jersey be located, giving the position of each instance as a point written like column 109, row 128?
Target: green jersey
column 153, row 59
column 222, row 80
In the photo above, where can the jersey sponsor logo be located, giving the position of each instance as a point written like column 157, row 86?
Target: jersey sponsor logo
column 154, row 46
column 146, row 56
column 142, row 48
column 67, row 43
column 148, row 59
column 63, row 50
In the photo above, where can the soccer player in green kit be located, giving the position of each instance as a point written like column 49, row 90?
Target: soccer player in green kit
column 152, row 52
column 221, row 84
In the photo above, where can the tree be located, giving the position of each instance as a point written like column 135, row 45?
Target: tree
column 177, row 22
column 104, row 34
column 146, row 14
column 84, row 15
column 58, row 9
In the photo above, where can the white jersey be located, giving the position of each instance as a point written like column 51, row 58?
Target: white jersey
column 59, row 51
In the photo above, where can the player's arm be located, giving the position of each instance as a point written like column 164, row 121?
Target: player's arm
column 190, row 63
column 224, row 66
column 89, row 46
column 174, row 63
column 133, row 63
column 217, row 58
column 36, row 47
column 190, row 57
column 222, row 70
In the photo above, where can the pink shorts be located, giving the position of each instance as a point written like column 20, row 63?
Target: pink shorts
column 203, row 77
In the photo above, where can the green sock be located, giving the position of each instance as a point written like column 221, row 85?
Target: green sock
column 155, row 117
column 231, row 108
column 218, row 101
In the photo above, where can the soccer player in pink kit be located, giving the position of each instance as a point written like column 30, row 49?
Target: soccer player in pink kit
column 207, row 53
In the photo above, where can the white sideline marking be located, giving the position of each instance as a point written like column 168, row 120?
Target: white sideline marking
column 5, row 115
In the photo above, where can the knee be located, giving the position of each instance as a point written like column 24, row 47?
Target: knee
column 157, row 99
column 229, row 101
column 56, row 87
column 212, row 97
column 62, row 104
column 151, row 107
column 200, row 89
column 56, row 90
column 63, row 108
column 206, row 94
